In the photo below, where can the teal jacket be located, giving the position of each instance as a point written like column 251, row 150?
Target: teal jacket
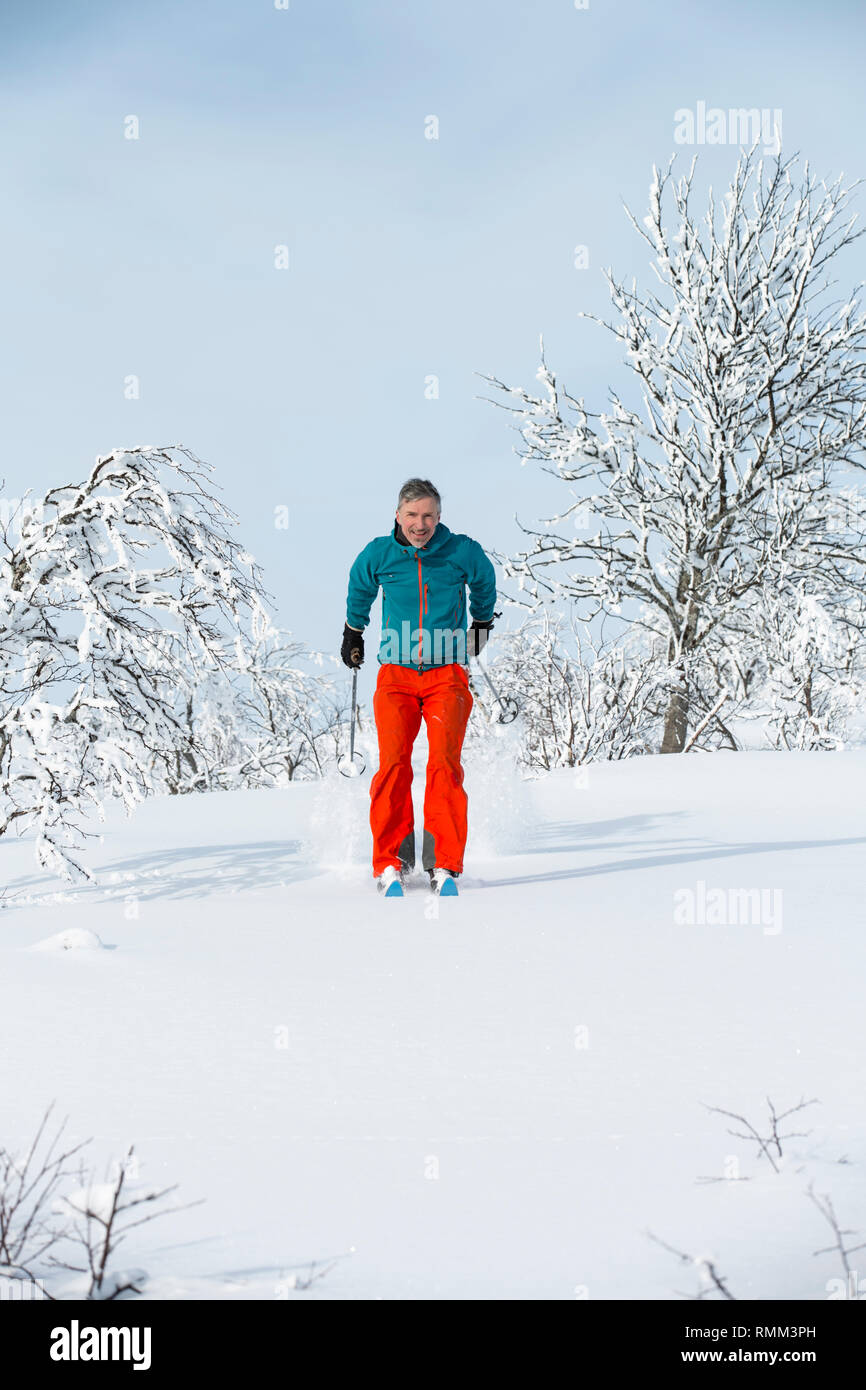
column 423, row 596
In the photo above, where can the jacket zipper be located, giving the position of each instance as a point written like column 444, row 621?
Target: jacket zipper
column 420, row 613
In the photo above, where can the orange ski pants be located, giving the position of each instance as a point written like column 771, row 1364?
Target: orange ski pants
column 441, row 696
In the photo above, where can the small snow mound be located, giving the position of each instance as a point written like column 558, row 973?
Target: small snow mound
column 124, row 1283
column 73, row 939
column 97, row 1200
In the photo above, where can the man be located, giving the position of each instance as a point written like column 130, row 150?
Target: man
column 422, row 569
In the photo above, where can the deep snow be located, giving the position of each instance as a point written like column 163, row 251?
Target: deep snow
column 493, row 1097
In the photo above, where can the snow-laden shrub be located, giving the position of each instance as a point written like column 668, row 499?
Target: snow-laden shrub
column 116, row 595
column 581, row 697
column 277, row 718
column 813, row 682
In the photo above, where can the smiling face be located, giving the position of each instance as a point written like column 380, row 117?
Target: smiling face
column 418, row 519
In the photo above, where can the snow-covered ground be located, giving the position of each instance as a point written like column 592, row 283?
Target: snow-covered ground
column 493, row 1097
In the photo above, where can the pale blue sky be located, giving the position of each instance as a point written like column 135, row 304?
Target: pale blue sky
column 408, row 256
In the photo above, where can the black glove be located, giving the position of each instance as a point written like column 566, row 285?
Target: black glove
column 477, row 637
column 352, row 650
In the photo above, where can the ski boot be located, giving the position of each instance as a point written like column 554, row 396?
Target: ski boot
column 442, row 882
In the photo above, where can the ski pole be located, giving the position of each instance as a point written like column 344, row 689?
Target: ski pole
column 348, row 766
column 354, row 708
column 509, row 706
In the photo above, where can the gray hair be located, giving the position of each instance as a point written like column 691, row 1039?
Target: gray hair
column 418, row 487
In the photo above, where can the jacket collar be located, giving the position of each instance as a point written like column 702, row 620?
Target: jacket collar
column 440, row 534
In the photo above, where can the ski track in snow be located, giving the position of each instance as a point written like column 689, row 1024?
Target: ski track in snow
column 497, row 1096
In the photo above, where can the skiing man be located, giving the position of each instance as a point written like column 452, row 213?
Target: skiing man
column 422, row 569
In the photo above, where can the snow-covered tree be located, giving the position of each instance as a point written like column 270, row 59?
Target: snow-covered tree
column 274, row 719
column 792, row 659
column 116, row 595
column 582, row 697
column 294, row 714
column 813, row 678
column 753, row 385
